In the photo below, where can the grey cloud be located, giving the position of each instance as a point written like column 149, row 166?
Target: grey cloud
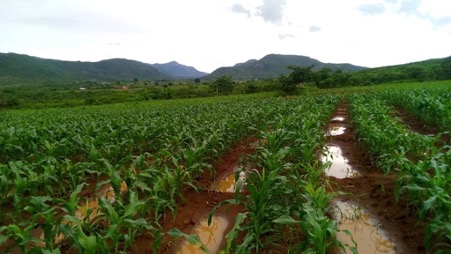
column 314, row 29
column 284, row 36
column 372, row 9
column 272, row 10
column 238, row 8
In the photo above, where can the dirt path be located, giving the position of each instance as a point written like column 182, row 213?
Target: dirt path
column 199, row 204
column 372, row 191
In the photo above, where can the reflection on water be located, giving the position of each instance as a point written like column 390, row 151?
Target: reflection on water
column 335, row 130
column 210, row 235
column 363, row 227
column 228, row 183
column 107, row 191
column 338, row 119
column 340, row 167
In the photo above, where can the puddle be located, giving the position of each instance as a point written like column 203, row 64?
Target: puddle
column 363, row 227
column 340, row 167
column 338, row 119
column 107, row 191
column 335, row 130
column 228, row 183
column 211, row 236
column 88, row 211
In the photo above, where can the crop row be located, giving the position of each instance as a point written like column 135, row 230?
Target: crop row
column 155, row 151
column 53, row 159
column 287, row 198
column 433, row 106
column 423, row 169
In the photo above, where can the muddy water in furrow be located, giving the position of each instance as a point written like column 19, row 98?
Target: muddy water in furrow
column 211, row 235
column 333, row 152
column 230, row 172
column 229, row 184
column 362, row 222
column 363, row 226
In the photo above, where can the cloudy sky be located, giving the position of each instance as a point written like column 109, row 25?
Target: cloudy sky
column 208, row 34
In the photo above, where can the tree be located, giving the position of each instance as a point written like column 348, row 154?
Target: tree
column 223, row 84
column 251, row 88
column 287, row 85
column 299, row 75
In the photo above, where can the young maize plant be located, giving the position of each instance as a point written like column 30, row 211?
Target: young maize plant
column 433, row 106
column 51, row 152
column 423, row 169
column 285, row 159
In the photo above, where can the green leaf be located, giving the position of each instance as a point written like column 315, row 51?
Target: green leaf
column 3, row 239
column 429, row 203
column 89, row 244
column 109, row 211
column 285, row 219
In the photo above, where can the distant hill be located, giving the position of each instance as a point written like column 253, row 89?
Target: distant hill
column 16, row 68
column 274, row 65
column 177, row 70
column 432, row 69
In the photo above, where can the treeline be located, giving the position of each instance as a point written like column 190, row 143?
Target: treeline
column 430, row 70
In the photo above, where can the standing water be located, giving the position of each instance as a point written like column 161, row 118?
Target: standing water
column 340, row 167
column 228, row 184
column 360, row 223
column 210, row 235
column 364, row 228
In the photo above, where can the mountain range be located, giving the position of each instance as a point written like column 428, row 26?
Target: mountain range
column 24, row 69
column 274, row 65
column 18, row 68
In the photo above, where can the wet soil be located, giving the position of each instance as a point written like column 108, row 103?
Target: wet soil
column 197, row 205
column 416, row 125
column 374, row 192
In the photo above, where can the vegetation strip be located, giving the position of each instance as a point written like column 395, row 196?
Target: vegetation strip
column 422, row 168
column 193, row 211
column 368, row 208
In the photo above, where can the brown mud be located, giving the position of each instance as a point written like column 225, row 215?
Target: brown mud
column 192, row 211
column 372, row 194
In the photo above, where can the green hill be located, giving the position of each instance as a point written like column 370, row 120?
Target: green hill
column 274, row 65
column 433, row 69
column 16, row 68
